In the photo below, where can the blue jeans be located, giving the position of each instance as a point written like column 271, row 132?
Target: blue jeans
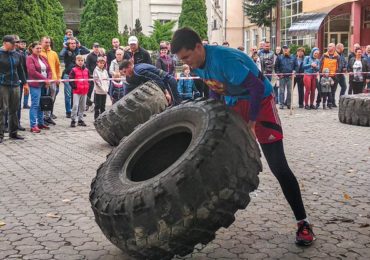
column 67, row 94
column 342, row 83
column 25, row 100
column 285, row 83
column 36, row 115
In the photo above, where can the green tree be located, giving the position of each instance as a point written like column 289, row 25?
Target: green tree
column 21, row 17
column 259, row 11
column 53, row 20
column 162, row 32
column 138, row 28
column 99, row 22
column 194, row 15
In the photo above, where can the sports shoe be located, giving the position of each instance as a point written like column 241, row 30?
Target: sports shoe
column 50, row 121
column 54, row 116
column 43, row 127
column 81, row 123
column 313, row 107
column 16, row 136
column 305, row 235
column 68, row 115
column 73, row 123
column 307, row 107
column 281, row 107
column 35, row 130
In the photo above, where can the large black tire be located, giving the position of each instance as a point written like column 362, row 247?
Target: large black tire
column 133, row 109
column 176, row 180
column 355, row 109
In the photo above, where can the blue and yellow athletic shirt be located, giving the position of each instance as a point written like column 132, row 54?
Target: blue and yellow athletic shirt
column 232, row 73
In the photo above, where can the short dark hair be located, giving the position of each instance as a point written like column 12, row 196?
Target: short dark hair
column 125, row 64
column 184, row 38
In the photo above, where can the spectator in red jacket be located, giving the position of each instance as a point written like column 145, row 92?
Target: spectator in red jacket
column 80, row 90
column 38, row 69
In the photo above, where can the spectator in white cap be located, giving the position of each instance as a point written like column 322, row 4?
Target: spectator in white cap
column 137, row 54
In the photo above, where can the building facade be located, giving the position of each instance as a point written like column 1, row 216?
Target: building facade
column 317, row 23
column 216, row 16
column 128, row 11
column 147, row 11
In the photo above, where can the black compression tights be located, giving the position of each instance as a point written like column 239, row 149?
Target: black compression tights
column 275, row 156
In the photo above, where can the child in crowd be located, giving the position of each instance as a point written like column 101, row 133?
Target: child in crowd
column 186, row 87
column 117, row 90
column 80, row 90
column 101, row 86
column 67, row 36
column 326, row 82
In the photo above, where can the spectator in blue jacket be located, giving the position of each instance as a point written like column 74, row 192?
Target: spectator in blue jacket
column 311, row 67
column 186, row 87
column 140, row 73
column 285, row 64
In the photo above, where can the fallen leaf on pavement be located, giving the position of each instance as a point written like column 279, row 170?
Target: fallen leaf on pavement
column 364, row 225
column 2, row 223
column 346, row 196
column 66, row 200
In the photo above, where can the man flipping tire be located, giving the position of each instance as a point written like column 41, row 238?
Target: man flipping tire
column 234, row 75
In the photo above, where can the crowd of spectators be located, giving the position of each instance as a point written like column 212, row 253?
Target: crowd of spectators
column 89, row 76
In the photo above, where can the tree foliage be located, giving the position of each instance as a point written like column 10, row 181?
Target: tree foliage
column 22, row 18
column 194, row 15
column 138, row 28
column 31, row 19
column 53, row 20
column 99, row 22
column 162, row 31
column 258, row 11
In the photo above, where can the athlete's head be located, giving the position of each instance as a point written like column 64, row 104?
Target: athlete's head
column 187, row 45
column 126, row 68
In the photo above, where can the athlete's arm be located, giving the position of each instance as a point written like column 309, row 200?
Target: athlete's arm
column 238, row 73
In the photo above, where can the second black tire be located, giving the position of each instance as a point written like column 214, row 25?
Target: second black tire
column 127, row 113
column 175, row 180
column 355, row 109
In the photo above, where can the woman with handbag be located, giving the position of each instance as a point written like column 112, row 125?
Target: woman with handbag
column 38, row 69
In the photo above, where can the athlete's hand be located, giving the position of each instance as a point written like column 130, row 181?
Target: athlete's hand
column 252, row 127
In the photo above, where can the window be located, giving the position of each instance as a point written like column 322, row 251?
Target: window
column 367, row 17
column 263, row 29
column 163, row 21
column 247, row 40
column 217, row 3
column 254, row 37
column 214, row 24
column 291, row 10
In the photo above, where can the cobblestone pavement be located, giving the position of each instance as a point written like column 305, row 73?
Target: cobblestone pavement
column 45, row 182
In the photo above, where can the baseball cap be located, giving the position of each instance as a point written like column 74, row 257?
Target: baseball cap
column 96, row 44
column 285, row 46
column 9, row 38
column 133, row 40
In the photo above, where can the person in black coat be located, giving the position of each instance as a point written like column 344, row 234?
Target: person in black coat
column 137, row 54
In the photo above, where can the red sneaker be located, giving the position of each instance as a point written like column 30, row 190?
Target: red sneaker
column 305, row 235
column 35, row 129
column 43, row 127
